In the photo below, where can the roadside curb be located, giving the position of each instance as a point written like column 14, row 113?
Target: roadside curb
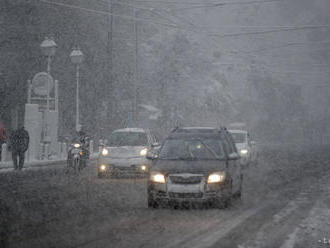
column 40, row 163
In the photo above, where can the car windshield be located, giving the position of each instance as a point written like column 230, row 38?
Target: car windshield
column 239, row 137
column 127, row 139
column 192, row 149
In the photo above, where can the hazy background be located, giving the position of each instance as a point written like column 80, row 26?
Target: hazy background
column 200, row 62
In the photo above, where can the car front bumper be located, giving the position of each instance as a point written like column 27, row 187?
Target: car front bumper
column 134, row 166
column 200, row 193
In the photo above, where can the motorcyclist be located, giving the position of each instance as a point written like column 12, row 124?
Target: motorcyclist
column 83, row 139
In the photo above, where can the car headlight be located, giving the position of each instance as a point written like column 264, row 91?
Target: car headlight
column 243, row 151
column 105, row 152
column 76, row 145
column 144, row 167
column 103, row 167
column 144, row 152
column 217, row 177
column 157, row 177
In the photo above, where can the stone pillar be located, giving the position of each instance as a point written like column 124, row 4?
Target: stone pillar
column 33, row 124
column 41, row 151
column 53, row 131
column 91, row 147
column 64, row 150
column 100, row 145
column 4, row 152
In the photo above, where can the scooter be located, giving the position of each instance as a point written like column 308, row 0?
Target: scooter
column 76, row 157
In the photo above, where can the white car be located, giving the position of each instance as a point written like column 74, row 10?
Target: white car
column 125, row 152
column 245, row 146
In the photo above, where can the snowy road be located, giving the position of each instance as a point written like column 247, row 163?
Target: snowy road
column 286, row 203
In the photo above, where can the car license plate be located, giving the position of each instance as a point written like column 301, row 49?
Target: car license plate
column 75, row 151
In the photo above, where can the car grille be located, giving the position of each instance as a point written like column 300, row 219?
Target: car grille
column 125, row 169
column 120, row 168
column 186, row 180
column 185, row 195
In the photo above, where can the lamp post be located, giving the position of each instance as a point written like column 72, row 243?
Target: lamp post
column 77, row 58
column 48, row 48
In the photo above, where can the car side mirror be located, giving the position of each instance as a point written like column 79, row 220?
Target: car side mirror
column 155, row 145
column 233, row 156
column 151, row 155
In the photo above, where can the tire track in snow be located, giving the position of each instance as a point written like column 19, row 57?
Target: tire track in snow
column 208, row 236
column 282, row 230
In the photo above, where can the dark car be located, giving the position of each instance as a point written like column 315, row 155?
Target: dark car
column 195, row 165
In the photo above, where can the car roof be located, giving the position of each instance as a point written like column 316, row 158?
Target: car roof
column 238, row 131
column 136, row 130
column 195, row 130
column 193, row 135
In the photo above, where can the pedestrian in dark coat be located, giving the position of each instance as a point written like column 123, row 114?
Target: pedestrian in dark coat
column 3, row 137
column 19, row 142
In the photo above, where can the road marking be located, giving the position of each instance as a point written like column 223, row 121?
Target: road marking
column 210, row 238
column 282, row 220
column 213, row 234
column 290, row 242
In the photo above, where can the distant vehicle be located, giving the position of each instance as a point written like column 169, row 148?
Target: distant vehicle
column 78, row 156
column 237, row 126
column 195, row 165
column 245, row 146
column 125, row 152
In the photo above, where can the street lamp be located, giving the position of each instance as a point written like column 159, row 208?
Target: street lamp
column 77, row 58
column 48, row 48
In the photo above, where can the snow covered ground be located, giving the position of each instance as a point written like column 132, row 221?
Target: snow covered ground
column 8, row 166
column 285, row 204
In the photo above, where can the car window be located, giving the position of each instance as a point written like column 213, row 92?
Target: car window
column 153, row 139
column 199, row 149
column 239, row 137
column 128, row 139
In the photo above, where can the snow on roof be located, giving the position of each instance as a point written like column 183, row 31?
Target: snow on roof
column 237, row 131
column 136, row 130
column 206, row 128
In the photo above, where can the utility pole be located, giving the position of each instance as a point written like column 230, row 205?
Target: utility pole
column 109, row 83
column 136, row 76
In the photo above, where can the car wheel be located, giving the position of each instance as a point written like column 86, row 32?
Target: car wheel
column 101, row 175
column 224, row 202
column 152, row 203
column 256, row 161
column 238, row 194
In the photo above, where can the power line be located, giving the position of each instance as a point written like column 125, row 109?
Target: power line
column 268, row 31
column 102, row 12
column 201, row 3
column 182, row 28
column 222, row 4
column 151, row 10
column 273, row 65
column 272, row 27
column 231, row 26
column 282, row 46
column 285, row 73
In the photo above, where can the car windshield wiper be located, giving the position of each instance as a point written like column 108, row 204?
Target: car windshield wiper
column 210, row 150
column 187, row 158
column 178, row 158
